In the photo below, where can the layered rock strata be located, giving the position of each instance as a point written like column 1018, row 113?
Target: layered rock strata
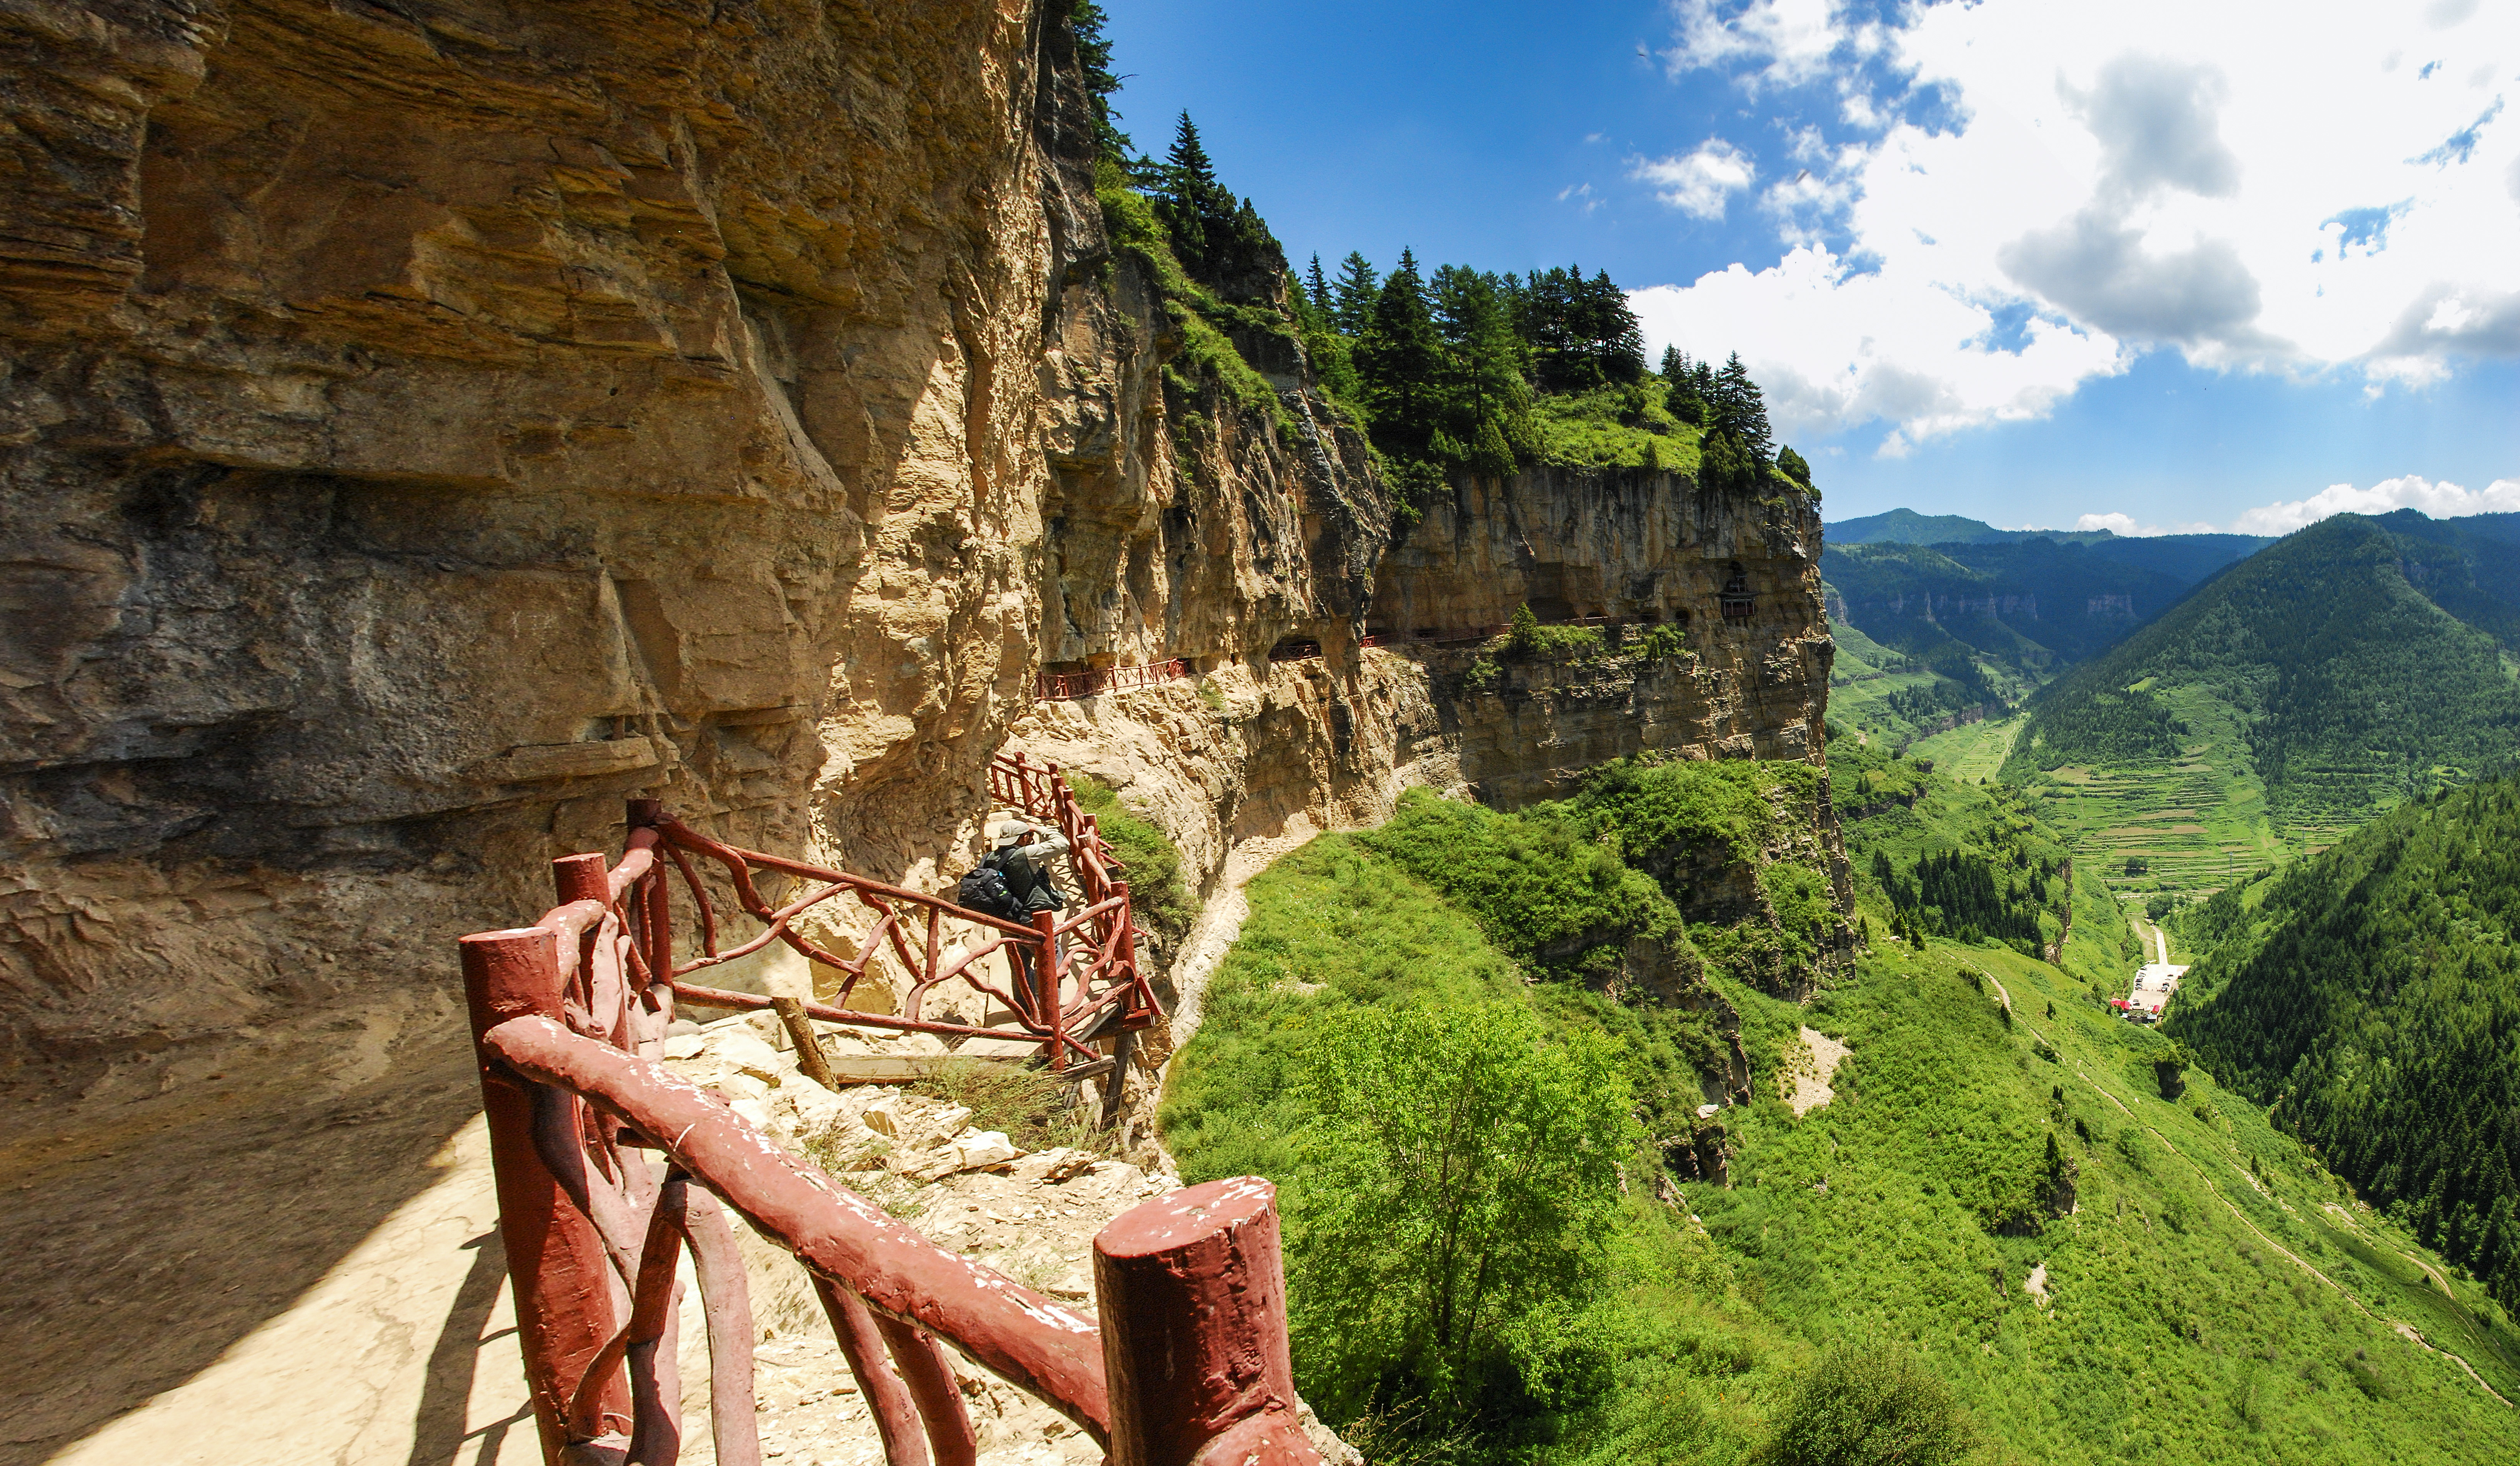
column 424, row 427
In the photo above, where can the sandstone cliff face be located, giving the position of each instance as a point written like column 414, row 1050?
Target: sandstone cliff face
column 424, row 427
column 428, row 425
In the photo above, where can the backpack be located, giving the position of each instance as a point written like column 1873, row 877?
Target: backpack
column 984, row 889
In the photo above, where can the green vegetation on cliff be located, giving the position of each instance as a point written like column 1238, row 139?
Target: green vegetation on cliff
column 2373, row 995
column 2205, row 1291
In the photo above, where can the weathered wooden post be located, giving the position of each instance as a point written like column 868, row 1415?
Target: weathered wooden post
column 1192, row 1298
column 557, row 1266
column 1051, row 1010
column 1125, row 969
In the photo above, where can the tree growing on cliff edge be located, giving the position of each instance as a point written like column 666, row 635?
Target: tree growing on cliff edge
column 1490, row 408
column 1400, row 359
column 1353, row 293
column 1468, row 1186
column 1215, row 237
column 1580, row 332
column 1084, row 22
column 1740, row 410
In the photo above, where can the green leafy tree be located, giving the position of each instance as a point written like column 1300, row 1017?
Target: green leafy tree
column 1465, row 1184
column 1868, row 1407
column 1791, row 464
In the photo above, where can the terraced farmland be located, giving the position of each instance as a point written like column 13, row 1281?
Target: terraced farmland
column 2197, row 821
column 1972, row 751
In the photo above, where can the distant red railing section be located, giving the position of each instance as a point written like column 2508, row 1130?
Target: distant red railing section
column 1059, row 686
column 568, row 1017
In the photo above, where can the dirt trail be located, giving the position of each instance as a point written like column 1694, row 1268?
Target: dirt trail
column 282, row 1248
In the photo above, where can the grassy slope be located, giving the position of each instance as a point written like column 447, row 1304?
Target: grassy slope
column 2181, row 1327
column 1971, row 753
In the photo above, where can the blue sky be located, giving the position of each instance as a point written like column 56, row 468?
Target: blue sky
column 2025, row 261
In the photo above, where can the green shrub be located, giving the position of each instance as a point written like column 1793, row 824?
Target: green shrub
column 1158, row 895
column 1466, row 1186
column 1868, row 1407
column 1546, row 896
column 1662, row 641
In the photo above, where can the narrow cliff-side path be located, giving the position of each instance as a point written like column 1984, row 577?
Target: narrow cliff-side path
column 282, row 1248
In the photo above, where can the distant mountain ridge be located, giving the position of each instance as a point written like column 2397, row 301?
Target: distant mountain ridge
column 2355, row 663
column 1909, row 527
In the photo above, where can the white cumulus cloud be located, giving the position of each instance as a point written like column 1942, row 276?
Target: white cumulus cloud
column 1699, row 183
column 2104, row 181
column 2442, row 501
column 2126, row 524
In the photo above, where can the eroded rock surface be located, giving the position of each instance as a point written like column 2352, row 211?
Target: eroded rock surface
column 425, row 427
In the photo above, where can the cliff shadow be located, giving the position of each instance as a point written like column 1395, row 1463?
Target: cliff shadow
column 167, row 1209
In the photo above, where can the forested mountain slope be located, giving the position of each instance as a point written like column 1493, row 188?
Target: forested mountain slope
column 1972, row 624
column 2372, row 996
column 2034, row 605
column 2286, row 700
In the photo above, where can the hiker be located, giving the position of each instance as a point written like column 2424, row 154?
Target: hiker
column 1021, row 886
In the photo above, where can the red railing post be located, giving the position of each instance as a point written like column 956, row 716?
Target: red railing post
column 1192, row 1298
column 1053, row 1009
column 654, row 904
column 557, row 1266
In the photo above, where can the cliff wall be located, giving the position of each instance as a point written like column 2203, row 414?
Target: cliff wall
column 424, row 427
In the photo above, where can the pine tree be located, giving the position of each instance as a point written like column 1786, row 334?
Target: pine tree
column 1401, row 361
column 1580, row 332
column 1489, row 411
column 1618, row 337
column 1219, row 240
column 1741, row 411
column 1792, row 466
column 1085, row 23
column 1317, row 287
column 1682, row 376
column 1353, row 293
column 1190, row 178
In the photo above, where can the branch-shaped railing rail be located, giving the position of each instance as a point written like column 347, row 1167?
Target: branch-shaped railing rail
column 1070, row 979
column 568, row 1016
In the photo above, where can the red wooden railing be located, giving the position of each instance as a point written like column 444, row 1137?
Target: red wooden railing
column 568, row 1016
column 1059, row 686
column 1094, row 951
